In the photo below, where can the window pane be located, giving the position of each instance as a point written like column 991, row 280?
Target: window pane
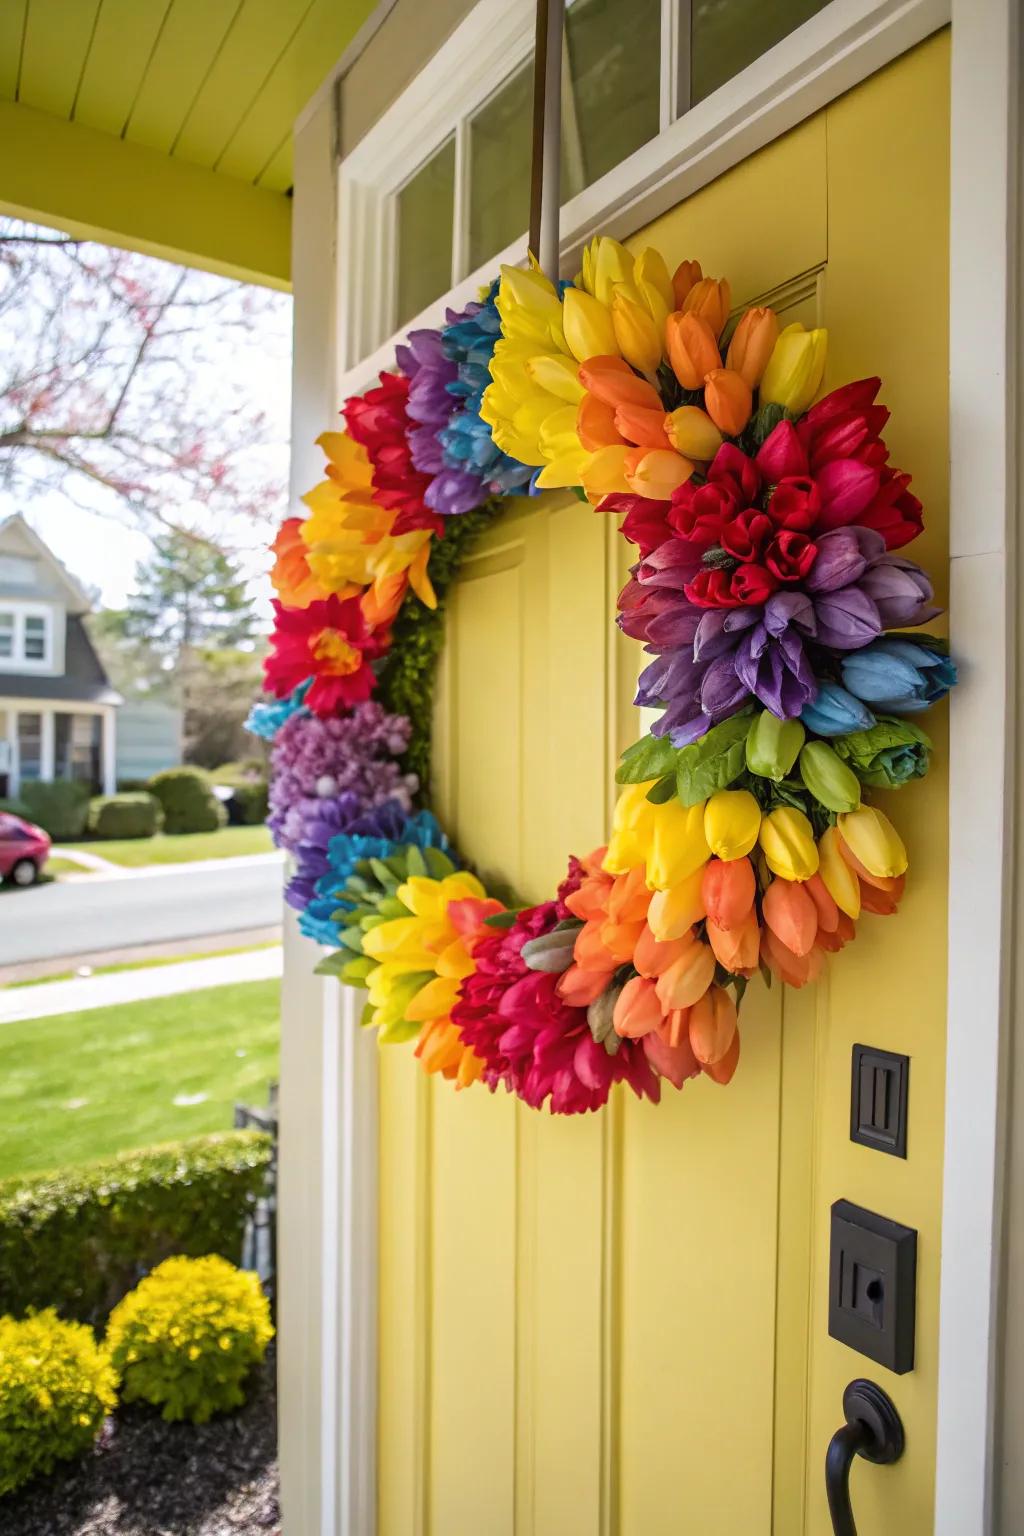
column 614, row 51
column 423, row 241
column 725, row 38
column 609, row 108
column 30, row 746
column 35, row 638
column 6, row 634
column 499, row 168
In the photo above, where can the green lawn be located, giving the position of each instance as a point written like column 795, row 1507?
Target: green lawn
column 82, row 1086
column 135, row 852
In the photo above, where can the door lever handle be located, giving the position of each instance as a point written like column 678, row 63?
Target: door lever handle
column 874, row 1430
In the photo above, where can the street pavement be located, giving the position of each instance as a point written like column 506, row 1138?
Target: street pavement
column 82, row 915
column 84, row 992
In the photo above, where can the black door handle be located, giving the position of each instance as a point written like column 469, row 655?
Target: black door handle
column 873, row 1429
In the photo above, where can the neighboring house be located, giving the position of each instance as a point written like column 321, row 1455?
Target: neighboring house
column 149, row 739
column 58, row 711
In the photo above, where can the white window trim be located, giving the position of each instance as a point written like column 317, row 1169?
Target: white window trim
column 833, row 51
column 19, row 662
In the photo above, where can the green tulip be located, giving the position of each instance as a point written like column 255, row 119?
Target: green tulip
column 773, row 745
column 828, row 778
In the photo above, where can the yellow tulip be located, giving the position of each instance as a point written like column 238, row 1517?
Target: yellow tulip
column 732, row 820
column 587, row 325
column 605, row 263
column 693, row 433
column 678, row 844
column 656, row 472
column 650, row 271
column 604, row 473
column 637, row 335
column 556, row 373
column 672, row 913
column 873, row 840
column 787, row 842
column 795, row 369
column 839, row 879
column 632, row 824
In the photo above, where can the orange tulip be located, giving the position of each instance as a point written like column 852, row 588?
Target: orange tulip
column 692, row 432
column 710, row 299
column 736, row 948
column 674, row 1028
column 722, row 1071
column 832, row 943
column 712, row 1025
column 653, row 956
column 580, row 986
column 591, row 899
column 752, row 344
column 381, row 602
column 728, row 400
column 687, row 978
column 612, row 380
column 791, row 915
column 638, row 424
column 794, row 970
column 683, row 278
column 728, row 888
column 828, row 912
column 674, row 1062
column 637, row 1009
column 692, row 349
column 629, row 897
column 656, row 472
column 595, row 424
column 883, row 903
column 590, row 949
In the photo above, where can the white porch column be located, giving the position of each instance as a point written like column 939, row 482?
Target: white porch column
column 108, row 752
column 47, row 758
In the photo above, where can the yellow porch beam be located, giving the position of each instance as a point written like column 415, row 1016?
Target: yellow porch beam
column 108, row 189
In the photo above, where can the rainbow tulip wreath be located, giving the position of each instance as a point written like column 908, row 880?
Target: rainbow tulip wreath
column 770, row 596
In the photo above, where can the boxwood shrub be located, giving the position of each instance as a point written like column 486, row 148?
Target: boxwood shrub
column 60, row 808
column 125, row 815
column 81, row 1238
column 189, row 804
column 57, row 1385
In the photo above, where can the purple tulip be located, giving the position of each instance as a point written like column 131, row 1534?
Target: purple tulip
column 452, row 491
column 776, row 671
column 722, row 690
column 843, row 557
column 900, row 591
column 847, row 619
column 785, row 608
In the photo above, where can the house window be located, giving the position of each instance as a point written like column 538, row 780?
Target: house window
column 437, row 192
column 30, row 746
column 77, row 748
column 25, row 637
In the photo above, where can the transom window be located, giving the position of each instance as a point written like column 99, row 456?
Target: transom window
column 447, row 169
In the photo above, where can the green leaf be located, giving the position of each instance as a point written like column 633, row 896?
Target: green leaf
column 391, row 907
column 438, row 863
column 501, row 919
column 332, row 965
column 714, row 762
column 351, row 938
column 649, row 758
column 383, row 874
column 663, row 790
column 416, row 862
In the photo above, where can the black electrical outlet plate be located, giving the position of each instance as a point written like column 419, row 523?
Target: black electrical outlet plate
column 872, row 1285
column 880, row 1084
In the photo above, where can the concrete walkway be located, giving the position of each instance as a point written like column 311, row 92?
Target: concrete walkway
column 85, row 992
column 92, row 863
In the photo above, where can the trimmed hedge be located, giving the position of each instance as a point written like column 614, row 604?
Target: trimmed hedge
column 16, row 808
column 250, row 791
column 125, row 815
column 81, row 1238
column 60, row 808
column 189, row 804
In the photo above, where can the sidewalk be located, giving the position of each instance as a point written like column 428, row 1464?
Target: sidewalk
column 86, row 992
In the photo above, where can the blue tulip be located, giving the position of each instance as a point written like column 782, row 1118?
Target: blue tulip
column 834, row 712
column 267, row 716
column 898, row 676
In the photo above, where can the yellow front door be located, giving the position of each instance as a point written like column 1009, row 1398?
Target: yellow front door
column 617, row 1325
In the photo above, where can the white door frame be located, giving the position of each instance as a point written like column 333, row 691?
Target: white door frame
column 328, row 1297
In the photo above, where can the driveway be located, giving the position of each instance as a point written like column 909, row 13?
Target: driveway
column 84, row 915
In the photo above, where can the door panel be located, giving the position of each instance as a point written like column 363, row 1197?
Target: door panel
column 618, row 1324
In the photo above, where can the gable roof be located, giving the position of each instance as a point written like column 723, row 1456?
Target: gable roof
column 83, row 681
column 78, row 600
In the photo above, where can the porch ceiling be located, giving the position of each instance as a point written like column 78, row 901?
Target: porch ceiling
column 197, row 93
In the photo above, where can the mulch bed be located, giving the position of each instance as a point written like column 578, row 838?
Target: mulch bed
column 148, row 1478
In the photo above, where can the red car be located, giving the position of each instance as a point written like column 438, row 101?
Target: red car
column 24, row 849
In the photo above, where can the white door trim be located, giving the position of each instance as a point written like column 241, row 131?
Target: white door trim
column 985, row 364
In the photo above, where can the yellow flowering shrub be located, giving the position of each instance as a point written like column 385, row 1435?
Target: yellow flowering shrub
column 187, row 1337
column 56, row 1387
